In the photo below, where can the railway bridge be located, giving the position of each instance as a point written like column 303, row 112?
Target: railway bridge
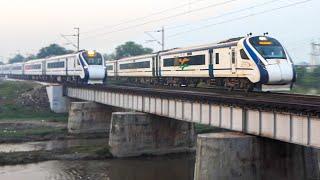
column 286, row 117
column 291, row 120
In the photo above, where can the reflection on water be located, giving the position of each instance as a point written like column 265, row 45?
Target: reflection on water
column 50, row 145
column 157, row 168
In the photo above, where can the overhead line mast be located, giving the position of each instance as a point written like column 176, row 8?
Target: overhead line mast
column 153, row 39
column 77, row 35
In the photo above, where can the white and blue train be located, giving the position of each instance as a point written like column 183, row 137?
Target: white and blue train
column 253, row 62
column 82, row 67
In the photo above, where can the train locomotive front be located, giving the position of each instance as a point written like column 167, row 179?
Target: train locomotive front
column 93, row 66
column 276, row 69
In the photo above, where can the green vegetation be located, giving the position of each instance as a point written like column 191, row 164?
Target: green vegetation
column 201, row 129
column 308, row 81
column 101, row 150
column 36, row 131
column 10, row 109
column 128, row 49
column 51, row 50
column 17, row 58
column 73, row 153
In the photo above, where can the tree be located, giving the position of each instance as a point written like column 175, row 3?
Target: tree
column 130, row 48
column 31, row 57
column 52, row 50
column 109, row 57
column 17, row 58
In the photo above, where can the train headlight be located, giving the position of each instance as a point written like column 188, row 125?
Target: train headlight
column 91, row 54
column 265, row 43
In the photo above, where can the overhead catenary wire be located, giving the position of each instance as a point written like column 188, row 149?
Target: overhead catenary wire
column 239, row 18
column 144, row 17
column 224, row 14
column 160, row 19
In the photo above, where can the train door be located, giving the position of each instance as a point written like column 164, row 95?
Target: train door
column 74, row 65
column 116, row 67
column 233, row 61
column 67, row 65
column 211, row 63
column 44, row 67
column 159, row 62
column 153, row 67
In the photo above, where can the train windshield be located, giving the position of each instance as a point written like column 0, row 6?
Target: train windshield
column 93, row 58
column 269, row 48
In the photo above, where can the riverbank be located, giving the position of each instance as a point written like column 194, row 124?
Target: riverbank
column 73, row 153
column 17, row 132
column 25, row 117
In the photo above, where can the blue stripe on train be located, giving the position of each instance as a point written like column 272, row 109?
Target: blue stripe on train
column 86, row 72
column 264, row 76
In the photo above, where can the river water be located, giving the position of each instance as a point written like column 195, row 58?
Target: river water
column 179, row 167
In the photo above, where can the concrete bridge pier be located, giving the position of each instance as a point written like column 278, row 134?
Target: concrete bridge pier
column 58, row 102
column 230, row 155
column 89, row 117
column 134, row 134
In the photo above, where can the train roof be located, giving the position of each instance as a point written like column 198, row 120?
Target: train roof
column 34, row 61
column 220, row 44
column 224, row 43
column 133, row 57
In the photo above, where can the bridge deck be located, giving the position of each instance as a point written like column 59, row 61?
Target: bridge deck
column 290, row 118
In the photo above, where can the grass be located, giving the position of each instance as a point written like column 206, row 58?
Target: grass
column 38, row 131
column 9, row 109
column 304, row 90
column 101, row 150
column 73, row 153
column 200, row 128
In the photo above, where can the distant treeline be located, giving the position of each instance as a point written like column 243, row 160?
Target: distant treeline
column 127, row 49
column 52, row 49
column 308, row 78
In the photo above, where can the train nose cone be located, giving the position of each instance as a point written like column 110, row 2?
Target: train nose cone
column 280, row 72
column 96, row 74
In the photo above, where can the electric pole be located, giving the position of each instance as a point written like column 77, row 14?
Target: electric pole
column 315, row 54
column 162, row 31
column 77, row 35
column 153, row 39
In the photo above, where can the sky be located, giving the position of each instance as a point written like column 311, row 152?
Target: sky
column 28, row 25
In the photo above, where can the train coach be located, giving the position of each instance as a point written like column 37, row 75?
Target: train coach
column 248, row 63
column 82, row 67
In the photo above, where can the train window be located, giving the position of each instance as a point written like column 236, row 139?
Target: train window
column 217, row 58
column 55, row 65
column 233, row 56
column 268, row 48
column 189, row 60
column 109, row 67
column 96, row 59
column 17, row 68
column 169, row 62
column 243, row 54
column 136, row 65
column 196, row 60
column 33, row 66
